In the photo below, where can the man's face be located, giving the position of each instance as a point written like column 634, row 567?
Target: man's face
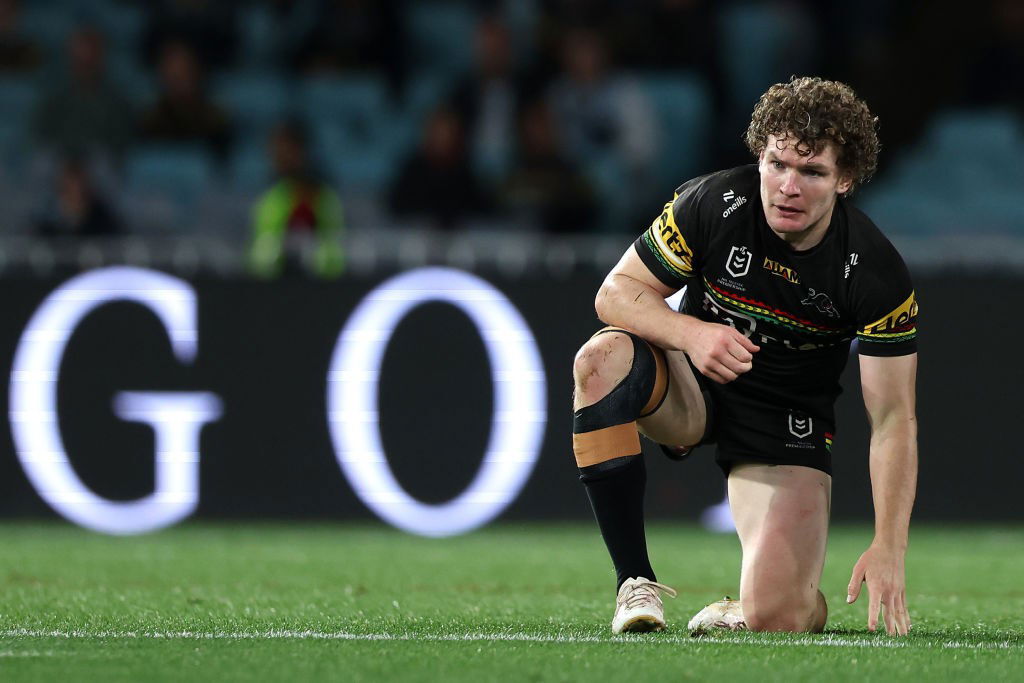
column 799, row 192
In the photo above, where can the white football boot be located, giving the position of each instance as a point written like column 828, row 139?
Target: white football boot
column 725, row 614
column 638, row 606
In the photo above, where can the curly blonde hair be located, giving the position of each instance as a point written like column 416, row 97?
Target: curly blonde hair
column 816, row 111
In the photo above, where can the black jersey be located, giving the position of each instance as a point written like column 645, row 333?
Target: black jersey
column 802, row 308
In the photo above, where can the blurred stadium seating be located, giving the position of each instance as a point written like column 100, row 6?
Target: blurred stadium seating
column 362, row 128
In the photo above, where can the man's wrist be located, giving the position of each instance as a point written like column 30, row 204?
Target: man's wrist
column 889, row 543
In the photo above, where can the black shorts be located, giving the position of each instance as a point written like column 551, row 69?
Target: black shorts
column 745, row 429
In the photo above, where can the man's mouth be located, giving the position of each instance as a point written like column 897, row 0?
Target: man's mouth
column 787, row 210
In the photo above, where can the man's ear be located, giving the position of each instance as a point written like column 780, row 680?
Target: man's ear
column 845, row 183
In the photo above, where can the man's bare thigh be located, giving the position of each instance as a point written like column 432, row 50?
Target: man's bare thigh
column 781, row 514
column 681, row 418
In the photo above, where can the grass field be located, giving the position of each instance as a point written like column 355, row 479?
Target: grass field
column 507, row 603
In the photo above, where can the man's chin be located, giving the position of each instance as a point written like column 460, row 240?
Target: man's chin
column 788, row 225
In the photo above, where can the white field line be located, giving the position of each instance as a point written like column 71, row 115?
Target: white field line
column 804, row 641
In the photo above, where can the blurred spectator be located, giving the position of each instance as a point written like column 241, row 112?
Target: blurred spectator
column 297, row 223
column 84, row 113
column 356, row 35
column 183, row 112
column 606, row 124
column 293, row 21
column 436, row 182
column 543, row 186
column 77, row 210
column 17, row 53
column 487, row 99
column 209, row 27
column 599, row 111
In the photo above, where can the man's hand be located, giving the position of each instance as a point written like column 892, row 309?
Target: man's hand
column 720, row 352
column 883, row 571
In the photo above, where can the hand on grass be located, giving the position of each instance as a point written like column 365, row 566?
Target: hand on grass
column 882, row 569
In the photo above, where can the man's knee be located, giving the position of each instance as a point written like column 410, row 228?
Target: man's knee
column 600, row 365
column 780, row 612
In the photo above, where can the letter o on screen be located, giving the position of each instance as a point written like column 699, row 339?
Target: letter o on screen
column 176, row 417
column 520, row 401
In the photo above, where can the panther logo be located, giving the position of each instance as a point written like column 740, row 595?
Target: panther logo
column 821, row 302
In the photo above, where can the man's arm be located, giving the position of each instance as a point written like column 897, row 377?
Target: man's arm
column 633, row 298
column 889, row 396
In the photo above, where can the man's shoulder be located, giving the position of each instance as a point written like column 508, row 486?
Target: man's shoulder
column 871, row 252
column 737, row 180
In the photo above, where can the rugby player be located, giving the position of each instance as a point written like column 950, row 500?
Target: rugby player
column 781, row 274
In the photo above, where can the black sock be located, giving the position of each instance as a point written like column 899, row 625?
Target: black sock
column 616, row 491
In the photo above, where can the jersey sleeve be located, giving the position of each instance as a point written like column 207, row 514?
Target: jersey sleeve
column 674, row 244
column 886, row 306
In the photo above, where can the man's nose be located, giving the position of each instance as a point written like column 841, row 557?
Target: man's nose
column 789, row 186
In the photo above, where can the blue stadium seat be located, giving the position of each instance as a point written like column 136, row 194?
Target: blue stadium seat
column 977, row 155
column 249, row 167
column 356, row 134
column 18, row 97
column 50, row 25
column 441, row 36
column 356, row 104
column 121, row 22
column 255, row 101
column 761, row 44
column 683, row 107
column 177, row 174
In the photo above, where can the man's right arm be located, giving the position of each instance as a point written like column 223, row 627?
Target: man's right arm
column 633, row 298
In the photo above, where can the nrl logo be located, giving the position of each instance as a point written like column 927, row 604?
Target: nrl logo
column 800, row 426
column 738, row 263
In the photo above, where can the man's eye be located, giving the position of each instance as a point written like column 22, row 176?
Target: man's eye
column 777, row 164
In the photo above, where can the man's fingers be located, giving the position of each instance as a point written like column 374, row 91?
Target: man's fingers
column 736, row 366
column 740, row 353
column 904, row 615
column 856, row 581
column 719, row 372
column 874, row 606
column 889, row 615
column 711, row 374
column 906, row 611
column 746, row 343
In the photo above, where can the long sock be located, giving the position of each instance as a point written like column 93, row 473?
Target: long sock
column 616, row 492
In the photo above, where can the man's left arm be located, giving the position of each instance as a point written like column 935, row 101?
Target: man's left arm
column 889, row 396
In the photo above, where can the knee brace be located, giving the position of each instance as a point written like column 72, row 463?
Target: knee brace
column 604, row 434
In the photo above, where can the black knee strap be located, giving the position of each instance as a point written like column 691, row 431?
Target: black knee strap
column 627, row 400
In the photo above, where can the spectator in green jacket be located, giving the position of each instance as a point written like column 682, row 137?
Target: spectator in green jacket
column 297, row 223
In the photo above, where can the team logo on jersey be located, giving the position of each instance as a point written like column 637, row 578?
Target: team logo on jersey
column 821, row 302
column 738, row 263
column 776, row 268
column 800, row 425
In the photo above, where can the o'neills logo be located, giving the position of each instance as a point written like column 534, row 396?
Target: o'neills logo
column 776, row 268
column 740, row 201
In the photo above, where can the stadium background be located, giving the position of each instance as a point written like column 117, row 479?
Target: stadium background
column 140, row 134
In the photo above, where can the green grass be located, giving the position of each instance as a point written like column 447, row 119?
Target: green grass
column 507, row 603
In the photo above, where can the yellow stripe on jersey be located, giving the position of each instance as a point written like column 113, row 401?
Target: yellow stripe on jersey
column 893, row 324
column 668, row 239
